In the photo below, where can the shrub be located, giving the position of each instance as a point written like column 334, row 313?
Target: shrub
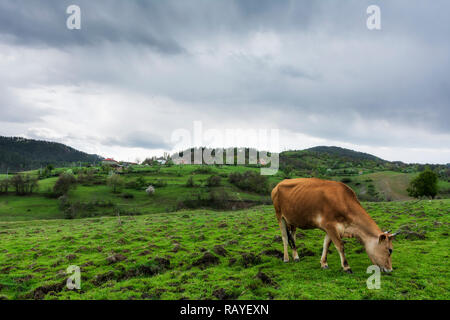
column 4, row 185
column 24, row 184
column 203, row 170
column 127, row 195
column 346, row 180
column 150, row 190
column 424, row 185
column 213, row 181
column 250, row 181
column 190, row 182
column 65, row 182
column 115, row 182
column 159, row 183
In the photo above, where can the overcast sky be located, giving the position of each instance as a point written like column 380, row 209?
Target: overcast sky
column 138, row 70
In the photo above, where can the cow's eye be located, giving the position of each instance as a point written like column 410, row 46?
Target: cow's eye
column 390, row 251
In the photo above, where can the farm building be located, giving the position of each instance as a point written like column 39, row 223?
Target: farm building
column 110, row 162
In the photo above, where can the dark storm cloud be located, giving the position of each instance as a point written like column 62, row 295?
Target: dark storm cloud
column 306, row 66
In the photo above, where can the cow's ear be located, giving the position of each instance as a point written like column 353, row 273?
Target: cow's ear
column 382, row 237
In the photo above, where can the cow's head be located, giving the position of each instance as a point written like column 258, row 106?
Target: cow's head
column 380, row 250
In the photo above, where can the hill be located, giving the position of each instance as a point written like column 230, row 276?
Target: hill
column 20, row 154
column 345, row 153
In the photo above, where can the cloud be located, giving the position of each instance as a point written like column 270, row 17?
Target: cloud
column 137, row 71
column 138, row 140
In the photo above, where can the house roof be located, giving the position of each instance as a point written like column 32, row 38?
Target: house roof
column 109, row 159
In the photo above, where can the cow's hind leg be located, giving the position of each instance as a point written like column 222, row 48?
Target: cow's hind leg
column 326, row 245
column 294, row 248
column 340, row 248
column 284, row 236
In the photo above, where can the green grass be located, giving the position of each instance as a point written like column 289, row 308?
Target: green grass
column 34, row 257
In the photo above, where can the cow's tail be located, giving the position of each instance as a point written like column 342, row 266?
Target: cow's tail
column 289, row 236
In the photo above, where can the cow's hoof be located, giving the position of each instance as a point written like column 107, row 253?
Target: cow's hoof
column 286, row 261
column 325, row 267
column 349, row 271
column 296, row 259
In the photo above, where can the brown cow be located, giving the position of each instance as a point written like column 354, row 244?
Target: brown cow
column 309, row 203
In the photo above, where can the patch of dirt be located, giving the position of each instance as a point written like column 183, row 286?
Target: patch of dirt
column 117, row 257
column 40, row 292
column 144, row 253
column 206, row 260
column 220, row 250
column 250, row 259
column 414, row 235
column 305, row 252
column 265, row 278
column 71, row 257
column 102, row 278
column 277, row 239
column 223, row 225
column 273, row 253
column 222, row 294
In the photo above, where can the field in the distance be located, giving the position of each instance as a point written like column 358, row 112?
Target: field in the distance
column 207, row 254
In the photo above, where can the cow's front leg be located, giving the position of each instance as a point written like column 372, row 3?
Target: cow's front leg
column 284, row 236
column 326, row 245
column 339, row 244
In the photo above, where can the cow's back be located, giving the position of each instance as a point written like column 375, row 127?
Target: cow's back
column 310, row 202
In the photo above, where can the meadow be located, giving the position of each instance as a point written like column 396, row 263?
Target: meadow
column 150, row 247
column 205, row 254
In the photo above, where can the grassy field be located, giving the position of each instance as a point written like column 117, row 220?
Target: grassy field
column 205, row 254
column 379, row 186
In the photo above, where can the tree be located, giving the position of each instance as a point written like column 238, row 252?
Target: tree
column 424, row 185
column 213, row 181
column 65, row 182
column 115, row 181
column 24, row 184
column 4, row 185
column 190, row 182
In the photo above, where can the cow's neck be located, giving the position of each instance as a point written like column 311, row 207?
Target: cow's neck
column 364, row 228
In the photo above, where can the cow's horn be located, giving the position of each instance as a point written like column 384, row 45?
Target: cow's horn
column 394, row 234
column 389, row 231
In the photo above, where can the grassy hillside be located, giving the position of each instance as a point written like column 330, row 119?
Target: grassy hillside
column 93, row 197
column 20, row 154
column 206, row 254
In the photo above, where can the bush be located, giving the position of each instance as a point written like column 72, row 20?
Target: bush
column 65, row 182
column 24, row 184
column 346, row 180
column 424, row 185
column 203, row 170
column 159, row 183
column 190, row 182
column 4, row 185
column 150, row 190
column 213, row 181
column 250, row 181
column 127, row 195
column 115, row 182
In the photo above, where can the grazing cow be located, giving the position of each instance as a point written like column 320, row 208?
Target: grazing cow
column 309, row 203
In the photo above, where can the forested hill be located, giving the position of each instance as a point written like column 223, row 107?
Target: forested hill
column 19, row 154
